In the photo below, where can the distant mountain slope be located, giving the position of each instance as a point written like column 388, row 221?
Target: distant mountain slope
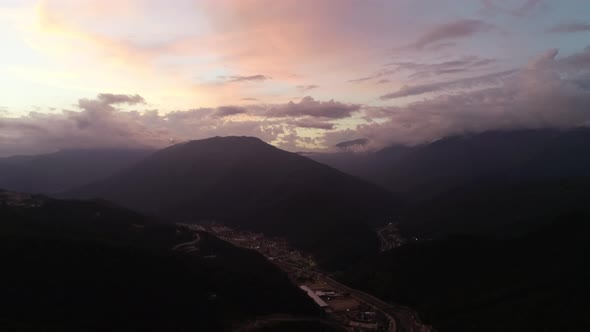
column 497, row 207
column 534, row 282
column 429, row 169
column 91, row 266
column 56, row 172
column 476, row 184
column 244, row 181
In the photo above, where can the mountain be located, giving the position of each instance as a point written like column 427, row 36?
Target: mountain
column 248, row 183
column 93, row 266
column 502, row 223
column 56, row 172
column 497, row 207
column 426, row 170
column 533, row 282
column 486, row 183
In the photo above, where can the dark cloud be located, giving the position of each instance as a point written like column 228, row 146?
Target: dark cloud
column 310, row 107
column 224, row 111
column 313, row 123
column 304, row 88
column 367, row 78
column 441, row 46
column 569, row 28
column 419, row 70
column 251, row 78
column 452, row 30
column 578, row 62
column 351, row 145
column 527, row 6
column 113, row 99
column 464, row 83
column 425, row 70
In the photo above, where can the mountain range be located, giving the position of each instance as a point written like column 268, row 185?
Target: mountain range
column 495, row 223
column 55, row 172
column 479, row 183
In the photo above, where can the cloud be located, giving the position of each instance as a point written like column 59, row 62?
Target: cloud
column 224, row 111
column 100, row 123
column 538, row 95
column 111, row 99
column 548, row 91
column 525, row 8
column 313, row 123
column 304, row 88
column 463, row 83
column 452, row 30
column 310, row 107
column 421, row 70
column 424, row 70
column 569, row 28
column 578, row 62
column 251, row 78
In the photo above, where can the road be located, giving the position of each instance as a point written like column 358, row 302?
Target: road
column 402, row 319
column 405, row 319
column 189, row 246
column 368, row 299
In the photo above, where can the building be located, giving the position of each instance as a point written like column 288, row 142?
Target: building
column 318, row 300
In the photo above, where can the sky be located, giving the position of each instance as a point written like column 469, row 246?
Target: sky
column 300, row 74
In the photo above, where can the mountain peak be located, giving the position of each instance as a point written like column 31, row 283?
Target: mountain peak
column 249, row 183
column 224, row 141
column 231, row 139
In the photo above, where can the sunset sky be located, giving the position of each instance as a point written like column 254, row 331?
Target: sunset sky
column 301, row 74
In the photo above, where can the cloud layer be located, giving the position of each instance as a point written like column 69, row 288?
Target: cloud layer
column 301, row 74
column 451, row 31
column 549, row 91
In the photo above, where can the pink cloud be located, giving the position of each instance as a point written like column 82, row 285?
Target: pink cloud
column 452, row 30
column 463, row 83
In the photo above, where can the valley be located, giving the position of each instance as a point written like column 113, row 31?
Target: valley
column 351, row 308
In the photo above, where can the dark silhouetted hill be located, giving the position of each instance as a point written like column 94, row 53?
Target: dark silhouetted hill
column 426, row 170
column 535, row 282
column 92, row 266
column 483, row 183
column 56, row 172
column 248, row 183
